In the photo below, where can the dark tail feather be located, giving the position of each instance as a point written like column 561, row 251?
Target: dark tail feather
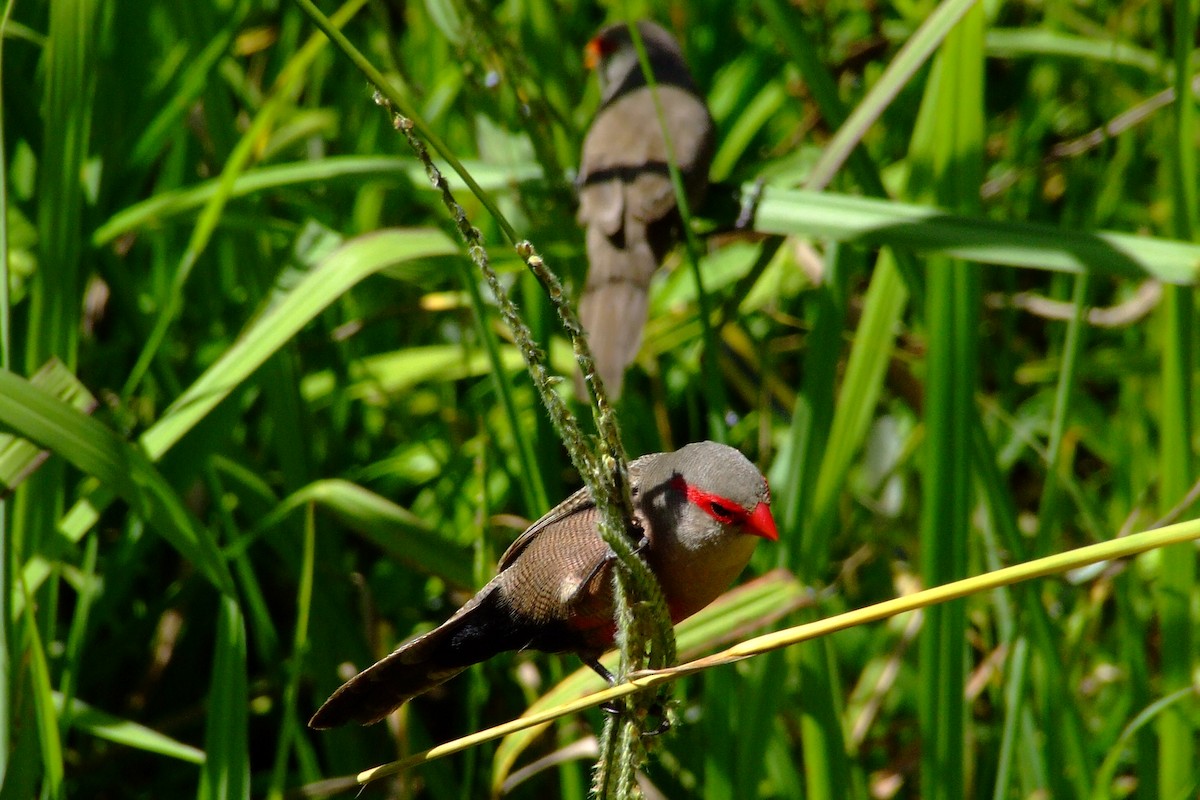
column 415, row 667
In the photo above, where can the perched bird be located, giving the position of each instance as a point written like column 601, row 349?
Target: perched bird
column 626, row 200
column 700, row 508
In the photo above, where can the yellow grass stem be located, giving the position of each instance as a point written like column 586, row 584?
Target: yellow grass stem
column 1038, row 568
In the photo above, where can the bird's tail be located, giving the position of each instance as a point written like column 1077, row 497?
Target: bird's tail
column 415, row 667
column 614, row 303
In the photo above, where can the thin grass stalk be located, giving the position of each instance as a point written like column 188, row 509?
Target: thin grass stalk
column 1015, row 686
column 822, row 87
column 1067, row 750
column 532, row 487
column 77, row 635
column 69, row 72
column 815, row 424
column 290, row 730
column 812, row 418
column 1176, row 584
column 548, row 449
column 7, row 556
column 874, row 343
column 1153, row 712
column 49, row 742
column 1068, row 778
column 70, row 87
column 528, row 90
column 936, row 29
column 1072, row 345
column 785, row 21
column 1056, row 564
column 826, row 767
column 1176, row 727
column 404, row 108
column 641, row 610
column 945, row 507
column 5, row 346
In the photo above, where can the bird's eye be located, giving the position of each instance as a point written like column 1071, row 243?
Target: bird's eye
column 721, row 512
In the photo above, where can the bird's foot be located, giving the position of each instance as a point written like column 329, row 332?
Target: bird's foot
column 749, row 206
column 656, row 713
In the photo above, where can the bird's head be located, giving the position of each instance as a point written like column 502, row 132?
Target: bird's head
column 715, row 491
column 612, row 54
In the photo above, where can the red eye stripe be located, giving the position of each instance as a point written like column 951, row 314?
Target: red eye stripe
column 757, row 522
column 714, row 505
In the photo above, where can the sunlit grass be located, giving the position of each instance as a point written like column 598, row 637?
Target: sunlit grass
column 216, row 229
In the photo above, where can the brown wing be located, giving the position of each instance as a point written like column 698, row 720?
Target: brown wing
column 575, row 504
column 556, row 570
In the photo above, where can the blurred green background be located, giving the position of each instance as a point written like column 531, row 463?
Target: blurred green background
column 313, row 436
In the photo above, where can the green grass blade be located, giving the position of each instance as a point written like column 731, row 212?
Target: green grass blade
column 8, row 650
column 924, row 229
column 1177, row 726
column 266, row 335
column 226, row 771
column 42, row 698
column 291, row 727
column 403, row 536
column 168, row 204
column 1026, row 42
column 122, row 468
column 342, row 269
column 874, row 343
column 69, row 92
column 1103, row 788
column 92, row 721
column 916, row 51
column 18, row 457
column 946, row 152
column 287, row 85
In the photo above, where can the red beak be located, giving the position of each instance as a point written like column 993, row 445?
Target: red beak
column 592, row 53
column 761, row 523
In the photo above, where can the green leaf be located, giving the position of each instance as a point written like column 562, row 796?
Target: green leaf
column 226, row 771
column 266, row 335
column 402, row 535
column 124, row 732
column 922, row 229
column 39, row 416
column 19, row 457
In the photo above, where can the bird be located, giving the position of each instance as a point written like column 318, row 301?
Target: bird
column 626, row 200
column 701, row 510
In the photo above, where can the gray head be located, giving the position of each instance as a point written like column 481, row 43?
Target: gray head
column 612, row 54
column 714, row 478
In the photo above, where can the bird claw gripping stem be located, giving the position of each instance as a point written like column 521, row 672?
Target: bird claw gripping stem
column 656, row 711
column 618, row 708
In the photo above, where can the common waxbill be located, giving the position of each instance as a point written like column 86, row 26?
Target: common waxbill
column 626, row 200
column 700, row 508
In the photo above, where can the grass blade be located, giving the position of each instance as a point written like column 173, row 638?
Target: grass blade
column 947, row 153
column 226, row 771
column 120, row 467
